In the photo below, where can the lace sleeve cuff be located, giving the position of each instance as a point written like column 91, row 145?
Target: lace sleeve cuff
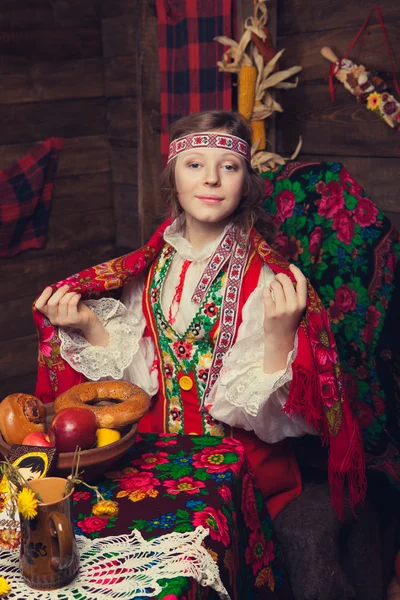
column 243, row 380
column 125, row 331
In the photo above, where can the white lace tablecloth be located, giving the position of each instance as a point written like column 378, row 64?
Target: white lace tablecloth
column 125, row 567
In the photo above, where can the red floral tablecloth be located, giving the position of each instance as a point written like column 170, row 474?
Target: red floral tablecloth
column 172, row 483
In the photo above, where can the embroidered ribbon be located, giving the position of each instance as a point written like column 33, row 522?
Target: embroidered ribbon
column 215, row 264
column 229, row 311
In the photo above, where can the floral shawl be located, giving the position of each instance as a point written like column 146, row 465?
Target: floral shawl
column 317, row 392
column 349, row 251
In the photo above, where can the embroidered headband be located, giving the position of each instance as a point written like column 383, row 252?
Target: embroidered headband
column 215, row 139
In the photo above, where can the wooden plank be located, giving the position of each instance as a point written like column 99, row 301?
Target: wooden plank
column 122, row 122
column 39, row 120
column 90, row 154
column 296, row 16
column 38, row 82
column 149, row 202
column 72, row 230
column 124, row 165
column 48, row 14
column 119, row 35
column 120, row 76
column 29, row 273
column 304, row 49
column 378, row 177
column 16, row 318
column 126, row 215
column 51, row 44
column 21, row 384
column 116, row 8
column 84, row 227
column 80, row 193
column 18, row 356
column 344, row 128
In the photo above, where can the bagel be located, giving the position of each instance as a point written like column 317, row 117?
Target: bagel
column 131, row 402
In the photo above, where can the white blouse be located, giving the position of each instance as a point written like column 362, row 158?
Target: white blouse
column 243, row 395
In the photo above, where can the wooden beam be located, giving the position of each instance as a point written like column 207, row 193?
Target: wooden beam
column 120, row 76
column 343, row 128
column 148, row 119
column 122, row 122
column 37, row 14
column 296, row 16
column 21, row 385
column 23, row 123
column 54, row 44
column 78, row 193
column 41, row 81
column 31, row 271
column 305, row 49
column 119, row 35
column 89, row 154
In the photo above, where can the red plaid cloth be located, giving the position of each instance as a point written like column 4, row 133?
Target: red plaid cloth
column 190, row 80
column 26, row 190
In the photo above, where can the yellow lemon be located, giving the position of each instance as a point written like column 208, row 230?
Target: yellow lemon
column 107, row 436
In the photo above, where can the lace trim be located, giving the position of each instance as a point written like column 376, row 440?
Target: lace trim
column 136, row 563
column 246, row 385
column 96, row 362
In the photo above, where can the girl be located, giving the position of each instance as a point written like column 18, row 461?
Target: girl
column 225, row 336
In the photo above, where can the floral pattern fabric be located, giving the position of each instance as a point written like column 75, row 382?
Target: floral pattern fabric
column 187, row 354
column 336, row 235
column 175, row 483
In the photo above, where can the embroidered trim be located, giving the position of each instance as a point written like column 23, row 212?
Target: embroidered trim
column 214, row 265
column 189, row 354
column 229, row 311
column 208, row 140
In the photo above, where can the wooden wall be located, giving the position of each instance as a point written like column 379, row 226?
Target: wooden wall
column 68, row 69
column 344, row 131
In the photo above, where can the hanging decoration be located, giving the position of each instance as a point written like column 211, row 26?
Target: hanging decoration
column 369, row 89
column 254, row 59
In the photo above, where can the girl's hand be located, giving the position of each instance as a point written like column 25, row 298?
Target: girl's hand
column 283, row 308
column 64, row 308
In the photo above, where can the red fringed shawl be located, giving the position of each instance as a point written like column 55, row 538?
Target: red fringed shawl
column 316, row 391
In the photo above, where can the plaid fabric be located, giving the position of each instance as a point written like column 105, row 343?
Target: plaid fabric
column 190, row 80
column 26, row 190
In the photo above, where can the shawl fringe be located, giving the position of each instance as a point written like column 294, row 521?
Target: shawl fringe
column 352, row 469
column 305, row 401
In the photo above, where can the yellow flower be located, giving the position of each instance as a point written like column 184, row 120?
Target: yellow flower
column 4, row 586
column 27, row 503
column 105, row 507
column 373, row 101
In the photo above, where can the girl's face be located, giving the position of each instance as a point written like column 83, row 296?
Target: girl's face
column 209, row 184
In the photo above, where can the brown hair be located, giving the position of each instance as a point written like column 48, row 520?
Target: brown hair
column 249, row 212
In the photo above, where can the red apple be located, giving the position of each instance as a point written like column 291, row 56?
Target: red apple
column 37, row 438
column 72, row 427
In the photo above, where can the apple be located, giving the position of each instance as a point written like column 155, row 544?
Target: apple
column 37, row 438
column 72, row 427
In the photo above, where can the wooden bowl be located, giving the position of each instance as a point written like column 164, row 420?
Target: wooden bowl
column 93, row 462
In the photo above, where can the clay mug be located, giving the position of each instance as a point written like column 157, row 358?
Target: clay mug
column 49, row 556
